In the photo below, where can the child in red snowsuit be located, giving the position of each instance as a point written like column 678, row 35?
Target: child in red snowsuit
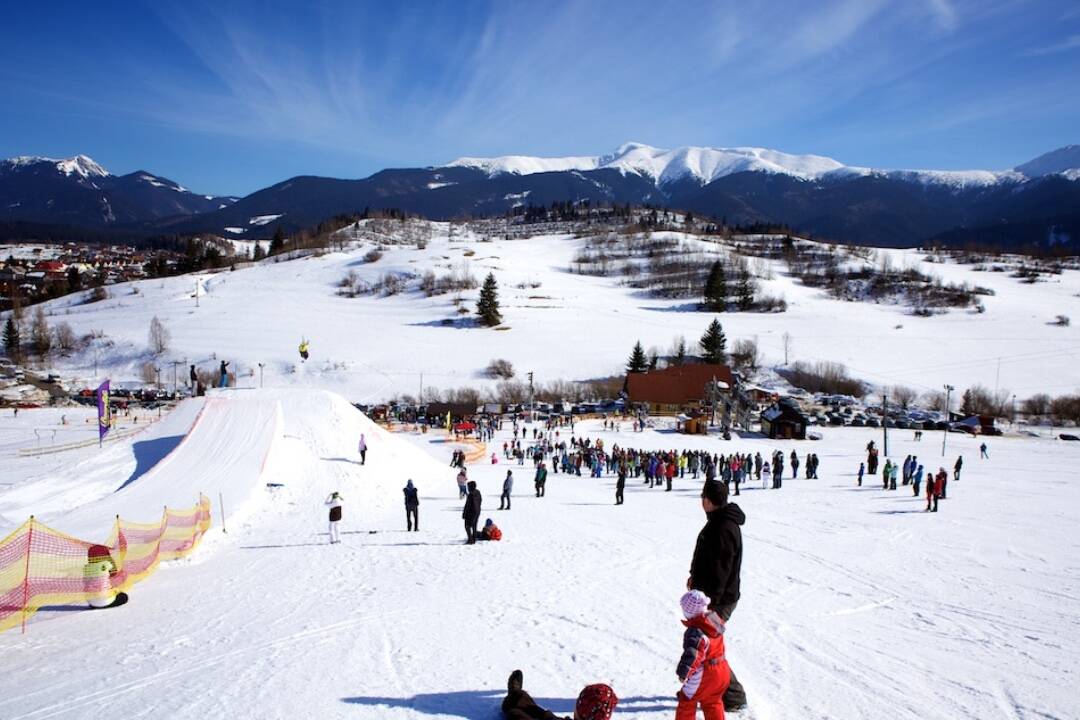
column 703, row 668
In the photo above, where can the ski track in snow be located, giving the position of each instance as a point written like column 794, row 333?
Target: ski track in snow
column 855, row 603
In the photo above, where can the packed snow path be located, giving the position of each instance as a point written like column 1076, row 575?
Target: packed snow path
column 855, row 602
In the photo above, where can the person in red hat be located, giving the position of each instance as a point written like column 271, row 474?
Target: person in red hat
column 595, row 702
column 97, row 578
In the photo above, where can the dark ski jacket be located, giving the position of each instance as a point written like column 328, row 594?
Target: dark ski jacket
column 412, row 498
column 472, row 505
column 717, row 559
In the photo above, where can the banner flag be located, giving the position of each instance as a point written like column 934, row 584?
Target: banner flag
column 104, row 411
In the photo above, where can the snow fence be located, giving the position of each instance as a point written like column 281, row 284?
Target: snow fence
column 40, row 566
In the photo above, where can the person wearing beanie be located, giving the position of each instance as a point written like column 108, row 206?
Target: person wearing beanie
column 334, row 501
column 716, row 566
column 703, row 669
column 97, row 578
column 490, row 531
column 471, row 513
column 412, row 507
column 594, row 702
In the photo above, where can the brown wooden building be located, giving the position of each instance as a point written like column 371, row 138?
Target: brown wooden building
column 679, row 389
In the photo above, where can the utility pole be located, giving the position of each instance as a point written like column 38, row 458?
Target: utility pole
column 787, row 346
column 885, row 424
column 420, row 400
column 945, row 435
column 712, row 402
column 196, row 292
column 532, row 408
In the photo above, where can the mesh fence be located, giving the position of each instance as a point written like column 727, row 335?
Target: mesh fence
column 40, row 566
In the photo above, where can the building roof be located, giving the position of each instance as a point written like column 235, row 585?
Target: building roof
column 676, row 385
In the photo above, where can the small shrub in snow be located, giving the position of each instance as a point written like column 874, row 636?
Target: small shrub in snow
column 373, row 255
column 1062, row 321
column 500, row 369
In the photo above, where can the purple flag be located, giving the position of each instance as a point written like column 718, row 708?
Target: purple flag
column 104, row 411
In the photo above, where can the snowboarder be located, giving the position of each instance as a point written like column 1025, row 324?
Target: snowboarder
column 471, row 513
column 334, row 501
column 717, row 564
column 508, row 486
column 362, row 447
column 595, row 702
column 702, row 668
column 303, row 350
column 224, row 374
column 412, row 507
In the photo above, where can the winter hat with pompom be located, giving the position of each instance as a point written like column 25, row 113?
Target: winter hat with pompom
column 596, row 702
column 694, row 603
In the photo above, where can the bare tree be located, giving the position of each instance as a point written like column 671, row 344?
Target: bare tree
column 159, row 336
column 65, row 337
column 40, row 336
column 903, row 396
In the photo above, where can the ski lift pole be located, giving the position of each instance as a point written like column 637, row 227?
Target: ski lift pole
column 221, row 508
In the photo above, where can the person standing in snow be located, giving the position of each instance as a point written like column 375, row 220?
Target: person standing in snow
column 303, row 350
column 861, row 468
column 224, row 374
column 471, row 513
column 194, row 377
column 916, row 480
column 462, row 481
column 362, row 447
column 540, row 480
column 766, row 476
column 795, row 466
column 620, row 484
column 412, row 507
column 702, row 669
column 508, row 486
column 956, row 468
column 885, row 474
column 595, row 702
column 334, row 501
column 717, row 565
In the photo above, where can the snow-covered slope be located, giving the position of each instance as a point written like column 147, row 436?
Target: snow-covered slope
column 706, row 164
column 855, row 603
column 559, row 324
column 80, row 165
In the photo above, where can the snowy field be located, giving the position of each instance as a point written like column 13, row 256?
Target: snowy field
column 856, row 604
column 558, row 324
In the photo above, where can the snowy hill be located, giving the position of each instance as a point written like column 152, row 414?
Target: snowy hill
column 558, row 323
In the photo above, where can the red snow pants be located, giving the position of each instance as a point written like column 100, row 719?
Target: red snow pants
column 710, row 695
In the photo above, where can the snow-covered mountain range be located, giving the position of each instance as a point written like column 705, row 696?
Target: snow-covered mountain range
column 1034, row 204
column 706, row 164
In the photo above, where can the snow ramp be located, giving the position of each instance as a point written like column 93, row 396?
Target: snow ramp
column 222, row 457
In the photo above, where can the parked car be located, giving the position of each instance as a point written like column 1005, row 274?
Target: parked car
column 872, row 422
column 858, row 421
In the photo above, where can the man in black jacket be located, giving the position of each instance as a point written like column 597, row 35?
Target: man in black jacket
column 717, row 564
column 471, row 513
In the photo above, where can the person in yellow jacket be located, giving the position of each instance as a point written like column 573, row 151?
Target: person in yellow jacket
column 303, row 349
column 97, row 579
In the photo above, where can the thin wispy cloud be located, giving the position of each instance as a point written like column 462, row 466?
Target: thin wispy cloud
column 250, row 91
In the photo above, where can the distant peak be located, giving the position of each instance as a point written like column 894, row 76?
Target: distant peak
column 81, row 165
column 1055, row 162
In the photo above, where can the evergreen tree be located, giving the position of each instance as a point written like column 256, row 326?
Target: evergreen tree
column 967, row 407
column 258, row 253
column 680, row 352
column 277, row 243
column 714, row 343
column 654, row 359
column 487, row 307
column 744, row 290
column 637, row 363
column 12, row 340
column 716, row 294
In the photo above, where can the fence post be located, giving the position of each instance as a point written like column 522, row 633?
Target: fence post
column 221, row 508
column 26, row 573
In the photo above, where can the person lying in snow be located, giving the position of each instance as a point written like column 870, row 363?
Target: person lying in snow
column 595, row 702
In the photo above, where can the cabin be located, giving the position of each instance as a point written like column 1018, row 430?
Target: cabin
column 784, row 421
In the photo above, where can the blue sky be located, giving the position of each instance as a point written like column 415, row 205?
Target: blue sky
column 230, row 97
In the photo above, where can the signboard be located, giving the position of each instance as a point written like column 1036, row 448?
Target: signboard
column 104, row 411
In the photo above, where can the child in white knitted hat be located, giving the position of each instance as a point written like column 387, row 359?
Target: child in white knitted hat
column 703, row 669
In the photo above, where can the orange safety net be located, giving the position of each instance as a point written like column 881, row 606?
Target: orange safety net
column 40, row 566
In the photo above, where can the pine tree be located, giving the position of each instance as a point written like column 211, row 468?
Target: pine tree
column 637, row 363
column 487, row 307
column 258, row 253
column 277, row 244
column 12, row 340
column 714, row 344
column 680, row 352
column 716, row 293
column 744, row 290
column 967, row 407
